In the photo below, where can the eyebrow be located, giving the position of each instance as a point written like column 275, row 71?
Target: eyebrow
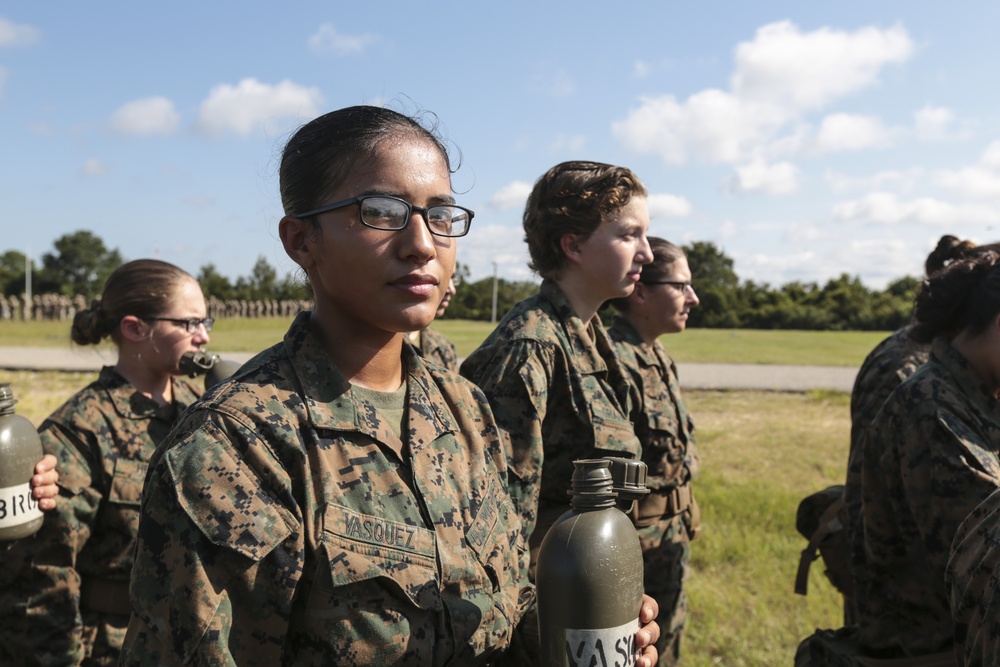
column 375, row 192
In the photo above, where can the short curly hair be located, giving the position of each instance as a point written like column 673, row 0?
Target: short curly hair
column 573, row 198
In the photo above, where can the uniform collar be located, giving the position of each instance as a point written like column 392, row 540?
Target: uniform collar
column 584, row 339
column 331, row 405
column 131, row 404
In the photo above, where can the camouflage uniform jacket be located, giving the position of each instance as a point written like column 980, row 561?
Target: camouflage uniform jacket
column 284, row 523
column 103, row 438
column 435, row 347
column 930, row 456
column 893, row 360
column 558, row 390
column 971, row 578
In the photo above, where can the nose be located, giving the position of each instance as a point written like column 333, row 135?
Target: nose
column 692, row 297
column 645, row 255
column 417, row 241
column 201, row 335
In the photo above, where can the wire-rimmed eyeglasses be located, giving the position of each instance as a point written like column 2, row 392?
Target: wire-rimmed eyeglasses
column 681, row 285
column 190, row 324
column 393, row 214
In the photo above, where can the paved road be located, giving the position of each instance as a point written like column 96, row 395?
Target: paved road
column 693, row 376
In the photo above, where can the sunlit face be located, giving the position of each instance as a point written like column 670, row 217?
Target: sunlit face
column 169, row 341
column 374, row 280
column 613, row 256
column 667, row 306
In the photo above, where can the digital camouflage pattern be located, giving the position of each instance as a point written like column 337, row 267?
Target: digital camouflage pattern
column 667, row 517
column 434, row 346
column 971, row 578
column 557, row 395
column 929, row 457
column 103, row 438
column 894, row 359
column 285, row 523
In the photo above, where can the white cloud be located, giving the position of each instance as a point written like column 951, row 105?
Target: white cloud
column 146, row 117
column 17, row 34
column 668, row 206
column 555, row 83
column 932, row 123
column 849, row 132
column 799, row 232
column 903, row 180
column 3, row 78
column 884, row 208
column 781, row 178
column 327, row 40
column 640, row 69
column 712, row 125
column 780, row 74
column 246, row 107
column 991, row 156
column 973, row 182
column 503, row 244
column 513, row 195
column 568, row 144
column 808, row 70
column 94, row 168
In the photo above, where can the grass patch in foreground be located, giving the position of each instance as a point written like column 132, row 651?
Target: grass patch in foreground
column 761, row 453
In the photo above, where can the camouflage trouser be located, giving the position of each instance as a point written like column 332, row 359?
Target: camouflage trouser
column 666, row 553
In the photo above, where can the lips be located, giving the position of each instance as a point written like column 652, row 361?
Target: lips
column 420, row 285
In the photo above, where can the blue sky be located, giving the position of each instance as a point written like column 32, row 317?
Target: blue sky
column 804, row 139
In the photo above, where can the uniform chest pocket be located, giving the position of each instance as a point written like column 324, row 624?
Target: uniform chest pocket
column 375, row 589
column 127, row 482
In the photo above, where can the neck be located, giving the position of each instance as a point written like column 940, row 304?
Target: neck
column 979, row 351
column 642, row 326
column 368, row 358
column 156, row 386
column 578, row 294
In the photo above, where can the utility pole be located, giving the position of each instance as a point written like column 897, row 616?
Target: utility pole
column 493, row 318
column 27, row 278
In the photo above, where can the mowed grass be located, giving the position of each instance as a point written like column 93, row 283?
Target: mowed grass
column 736, row 346
column 760, row 452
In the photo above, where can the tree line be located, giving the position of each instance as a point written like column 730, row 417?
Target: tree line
column 79, row 263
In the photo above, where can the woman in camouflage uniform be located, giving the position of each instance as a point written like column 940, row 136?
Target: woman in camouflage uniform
column 929, row 457
column 69, row 604
column 549, row 369
column 338, row 501
column 667, row 518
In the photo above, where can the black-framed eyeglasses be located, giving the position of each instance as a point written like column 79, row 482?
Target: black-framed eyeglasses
column 681, row 285
column 191, row 324
column 393, row 214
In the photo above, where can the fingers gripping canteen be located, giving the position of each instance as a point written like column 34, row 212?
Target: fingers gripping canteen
column 20, row 450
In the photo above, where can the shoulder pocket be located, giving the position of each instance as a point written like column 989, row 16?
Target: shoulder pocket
column 225, row 498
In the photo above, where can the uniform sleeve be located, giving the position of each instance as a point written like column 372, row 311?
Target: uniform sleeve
column 40, row 606
column 971, row 579
column 218, row 557
column 516, row 382
column 946, row 470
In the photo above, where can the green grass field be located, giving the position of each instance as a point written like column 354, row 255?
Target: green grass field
column 740, row 346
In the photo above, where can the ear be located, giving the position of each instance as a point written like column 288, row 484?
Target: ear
column 133, row 329
column 639, row 293
column 570, row 245
column 294, row 234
